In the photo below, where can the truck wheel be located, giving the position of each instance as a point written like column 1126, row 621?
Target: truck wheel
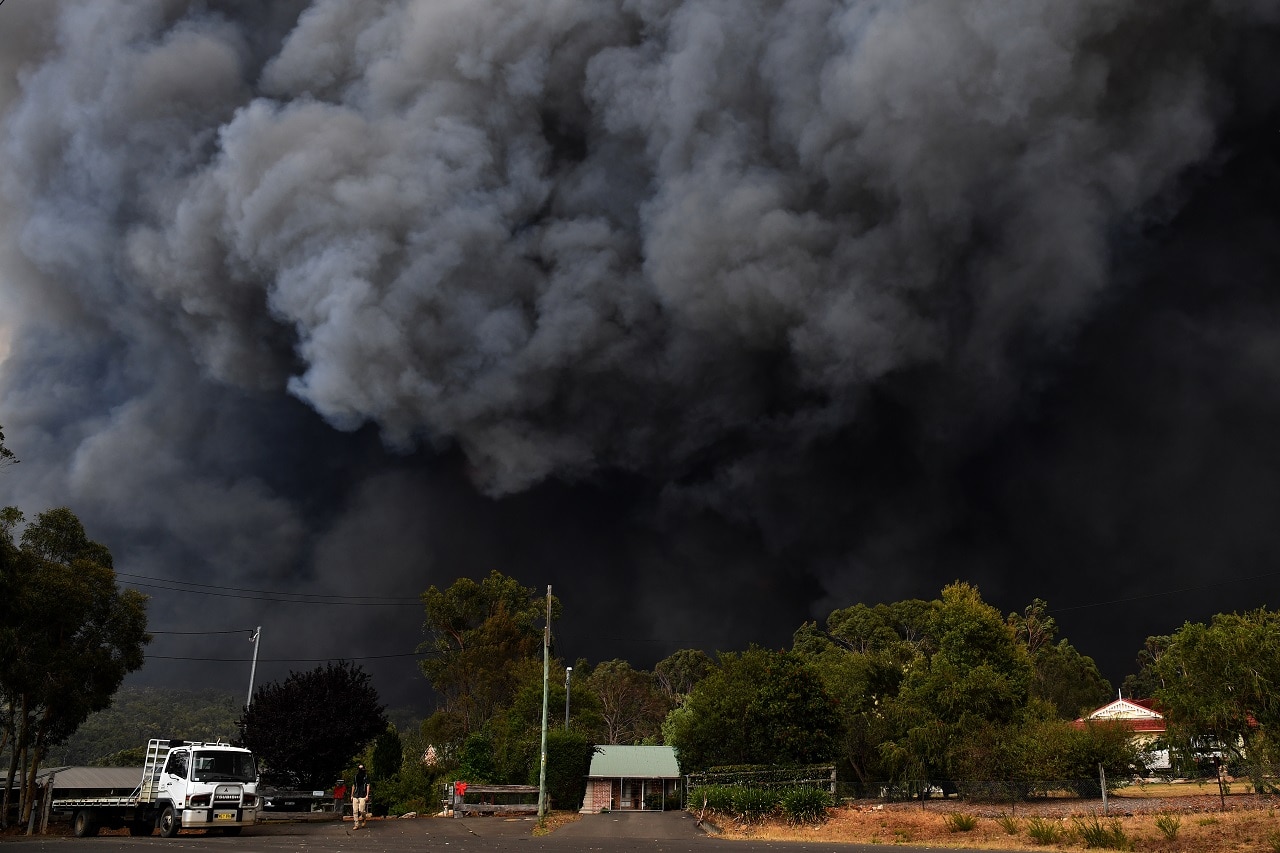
column 169, row 822
column 83, row 825
column 232, row 830
column 141, row 827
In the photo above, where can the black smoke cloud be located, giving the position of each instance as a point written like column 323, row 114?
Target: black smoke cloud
column 713, row 315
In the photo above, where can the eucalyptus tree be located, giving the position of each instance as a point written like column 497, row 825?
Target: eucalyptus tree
column 478, row 636
column 632, row 705
column 680, row 671
column 69, row 636
column 1068, row 680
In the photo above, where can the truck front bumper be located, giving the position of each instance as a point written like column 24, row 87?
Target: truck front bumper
column 220, row 816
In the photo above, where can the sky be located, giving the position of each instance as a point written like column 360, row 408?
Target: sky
column 714, row 315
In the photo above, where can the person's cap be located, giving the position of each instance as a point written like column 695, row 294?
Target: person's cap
column 360, row 766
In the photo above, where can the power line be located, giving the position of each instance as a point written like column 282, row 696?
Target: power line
column 397, row 598
column 282, row 660
column 201, row 633
column 274, row 596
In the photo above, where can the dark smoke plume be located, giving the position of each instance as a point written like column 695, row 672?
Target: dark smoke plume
column 714, row 314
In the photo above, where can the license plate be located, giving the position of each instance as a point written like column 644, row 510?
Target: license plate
column 224, row 815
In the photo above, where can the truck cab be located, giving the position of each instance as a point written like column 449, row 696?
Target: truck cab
column 206, row 786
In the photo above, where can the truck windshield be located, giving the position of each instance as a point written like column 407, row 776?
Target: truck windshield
column 224, row 767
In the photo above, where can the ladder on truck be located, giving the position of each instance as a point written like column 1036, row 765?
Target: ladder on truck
column 157, row 751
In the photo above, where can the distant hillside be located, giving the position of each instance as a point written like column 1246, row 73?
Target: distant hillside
column 138, row 714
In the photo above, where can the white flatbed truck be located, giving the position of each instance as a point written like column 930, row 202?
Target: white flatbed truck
column 185, row 785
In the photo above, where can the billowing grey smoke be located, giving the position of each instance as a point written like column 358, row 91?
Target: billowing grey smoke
column 736, row 253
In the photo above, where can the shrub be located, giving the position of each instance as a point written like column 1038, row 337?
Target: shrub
column 1168, row 824
column 1009, row 823
column 753, row 804
column 717, row 798
column 1044, row 831
column 568, row 760
column 1109, row 836
column 805, row 805
column 960, row 822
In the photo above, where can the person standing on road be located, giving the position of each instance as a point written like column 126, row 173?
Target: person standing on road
column 360, row 791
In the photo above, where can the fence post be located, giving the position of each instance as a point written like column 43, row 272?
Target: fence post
column 1102, row 780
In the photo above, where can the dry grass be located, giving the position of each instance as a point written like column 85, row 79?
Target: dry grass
column 554, row 820
column 1245, row 827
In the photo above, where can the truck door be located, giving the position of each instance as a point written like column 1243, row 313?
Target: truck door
column 173, row 779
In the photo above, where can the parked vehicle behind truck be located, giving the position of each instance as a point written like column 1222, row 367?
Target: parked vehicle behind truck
column 185, row 785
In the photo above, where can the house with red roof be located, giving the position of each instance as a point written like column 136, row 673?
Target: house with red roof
column 1141, row 718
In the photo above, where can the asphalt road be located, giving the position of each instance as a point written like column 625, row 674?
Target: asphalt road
column 653, row 832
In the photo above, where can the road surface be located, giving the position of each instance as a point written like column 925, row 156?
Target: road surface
column 652, row 832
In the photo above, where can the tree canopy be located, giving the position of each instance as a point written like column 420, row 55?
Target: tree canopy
column 479, row 633
column 948, row 689
column 1221, row 688
column 68, row 636
column 632, row 706
column 757, row 707
column 309, row 726
column 681, row 670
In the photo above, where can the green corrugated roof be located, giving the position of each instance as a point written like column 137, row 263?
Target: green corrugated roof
column 635, row 762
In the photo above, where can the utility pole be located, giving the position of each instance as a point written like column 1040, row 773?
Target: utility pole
column 257, row 633
column 546, row 677
column 568, row 671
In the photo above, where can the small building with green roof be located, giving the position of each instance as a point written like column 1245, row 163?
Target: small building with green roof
column 632, row 778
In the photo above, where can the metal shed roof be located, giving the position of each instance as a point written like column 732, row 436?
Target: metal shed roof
column 635, row 762
column 89, row 778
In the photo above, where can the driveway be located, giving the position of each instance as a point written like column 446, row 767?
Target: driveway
column 638, row 826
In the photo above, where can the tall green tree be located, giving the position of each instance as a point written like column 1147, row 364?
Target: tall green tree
column 479, row 633
column 68, row 639
column 1068, row 680
column 1062, row 676
column 632, row 706
column 757, row 707
column 861, row 663
column 1148, row 680
column 1221, row 689
column 514, row 734
column 978, row 676
column 678, row 673
column 308, row 727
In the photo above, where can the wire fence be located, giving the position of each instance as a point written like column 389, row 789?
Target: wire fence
column 757, row 776
column 992, row 790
